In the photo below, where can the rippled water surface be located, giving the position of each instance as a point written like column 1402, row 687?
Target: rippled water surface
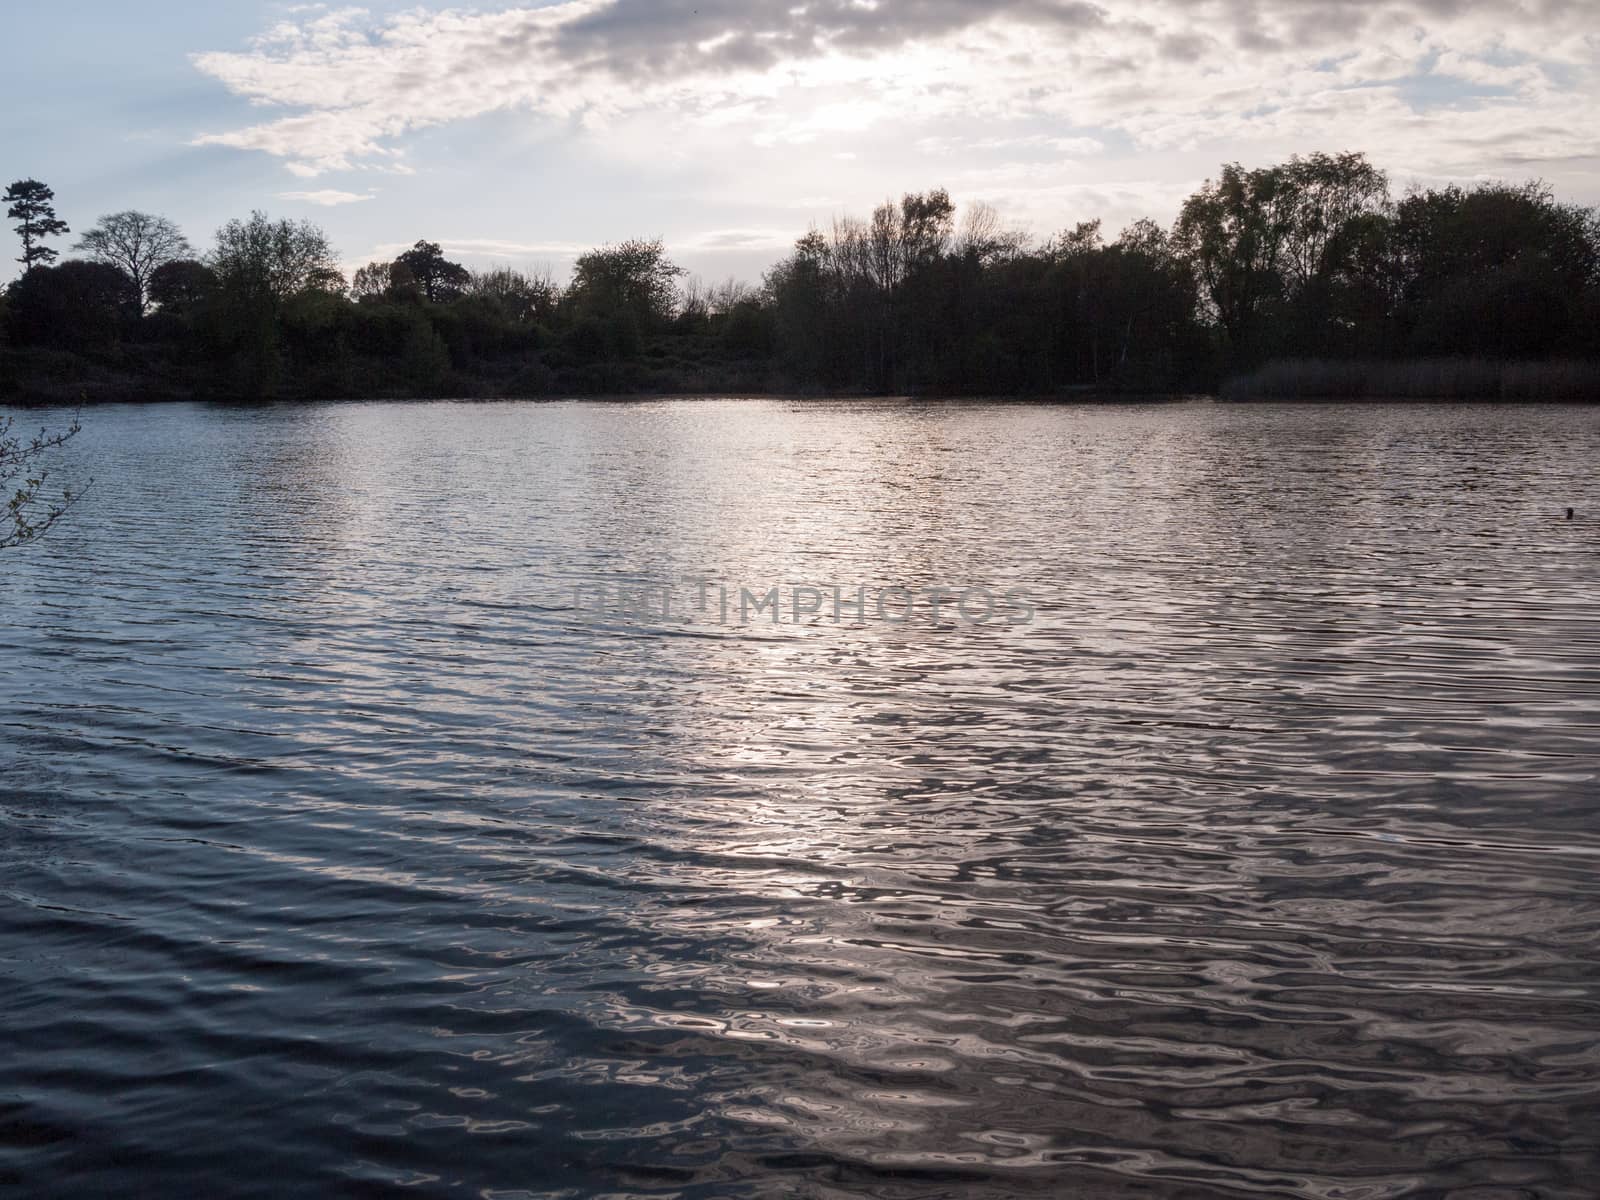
column 341, row 855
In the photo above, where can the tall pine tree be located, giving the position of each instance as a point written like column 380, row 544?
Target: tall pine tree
column 31, row 206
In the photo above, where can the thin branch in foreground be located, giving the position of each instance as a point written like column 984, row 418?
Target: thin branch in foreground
column 28, row 514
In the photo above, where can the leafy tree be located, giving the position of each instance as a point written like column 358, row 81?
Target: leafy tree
column 798, row 291
column 403, row 285
column 260, row 265
column 1306, row 258
column 1232, row 232
column 906, row 243
column 274, row 259
column 923, row 232
column 1323, row 194
column 747, row 328
column 31, row 207
column 182, row 284
column 1260, row 242
column 523, row 298
column 439, row 279
column 1348, row 308
column 76, row 306
column 1122, row 312
column 327, row 281
column 315, row 328
column 1152, row 329
column 370, row 282
column 238, row 332
column 635, row 278
column 1501, row 269
column 28, row 509
column 138, row 244
column 401, row 349
column 392, row 282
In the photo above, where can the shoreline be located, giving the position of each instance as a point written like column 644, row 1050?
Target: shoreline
column 1354, row 381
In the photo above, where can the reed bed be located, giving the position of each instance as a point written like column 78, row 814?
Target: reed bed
column 1418, row 379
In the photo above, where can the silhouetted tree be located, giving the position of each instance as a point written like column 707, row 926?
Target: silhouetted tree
column 984, row 239
column 923, row 232
column 182, row 284
column 1501, row 270
column 746, row 328
column 388, row 283
column 138, row 244
column 403, row 285
column 75, row 306
column 634, row 278
column 1307, row 258
column 694, row 304
column 274, row 259
column 798, row 291
column 1322, row 194
column 260, row 264
column 439, row 279
column 35, row 215
column 879, row 278
column 1259, row 243
column 1144, row 331
column 315, row 328
column 522, row 297
column 1232, row 233
column 370, row 282
column 402, row 337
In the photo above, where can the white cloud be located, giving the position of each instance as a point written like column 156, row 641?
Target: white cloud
column 1424, row 85
column 1042, row 143
column 489, row 248
column 327, row 197
column 708, row 241
column 716, row 241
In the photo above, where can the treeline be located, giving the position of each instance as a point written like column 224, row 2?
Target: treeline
column 1314, row 259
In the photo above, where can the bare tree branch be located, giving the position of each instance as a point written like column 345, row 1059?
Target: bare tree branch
column 137, row 244
column 27, row 513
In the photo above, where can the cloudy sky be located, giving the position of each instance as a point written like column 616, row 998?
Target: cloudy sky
column 524, row 133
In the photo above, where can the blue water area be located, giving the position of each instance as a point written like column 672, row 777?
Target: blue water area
column 341, row 854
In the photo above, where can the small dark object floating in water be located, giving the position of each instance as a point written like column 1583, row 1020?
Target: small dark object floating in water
column 1570, row 514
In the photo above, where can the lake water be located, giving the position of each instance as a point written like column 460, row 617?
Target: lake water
column 346, row 850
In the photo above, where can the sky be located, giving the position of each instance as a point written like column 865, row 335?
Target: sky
column 523, row 134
